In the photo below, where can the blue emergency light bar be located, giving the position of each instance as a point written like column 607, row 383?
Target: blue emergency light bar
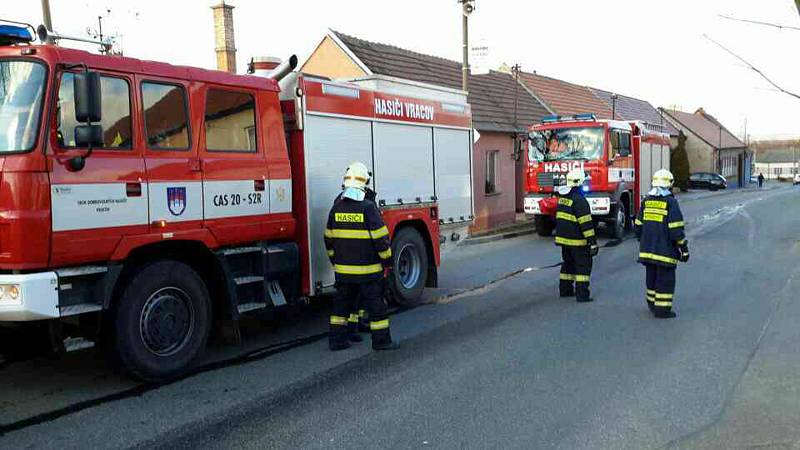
column 572, row 118
column 15, row 34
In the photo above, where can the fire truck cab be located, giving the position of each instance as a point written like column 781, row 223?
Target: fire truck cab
column 142, row 202
column 618, row 158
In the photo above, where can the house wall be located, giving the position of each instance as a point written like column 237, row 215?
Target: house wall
column 331, row 61
column 774, row 171
column 492, row 210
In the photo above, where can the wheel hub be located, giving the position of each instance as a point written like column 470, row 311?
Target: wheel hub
column 409, row 265
column 167, row 321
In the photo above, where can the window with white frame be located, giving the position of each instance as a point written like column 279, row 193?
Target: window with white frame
column 492, row 160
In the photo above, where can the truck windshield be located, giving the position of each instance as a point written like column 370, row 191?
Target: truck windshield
column 21, row 97
column 584, row 143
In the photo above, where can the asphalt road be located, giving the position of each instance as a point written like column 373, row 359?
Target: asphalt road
column 496, row 360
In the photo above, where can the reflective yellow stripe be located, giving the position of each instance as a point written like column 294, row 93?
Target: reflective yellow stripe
column 379, row 325
column 338, row 320
column 362, row 313
column 582, row 278
column 588, row 233
column 566, row 277
column 653, row 218
column 682, row 241
column 637, row 221
column 346, row 234
column 353, row 318
column 357, row 270
column 570, row 242
column 380, row 232
column 654, row 257
column 661, row 212
column 566, row 216
column 565, row 201
column 386, row 254
column 584, row 219
column 675, row 224
column 664, row 296
column 663, row 304
column 330, row 252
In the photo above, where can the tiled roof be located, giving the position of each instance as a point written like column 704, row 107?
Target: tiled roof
column 491, row 96
column 706, row 127
column 631, row 108
column 565, row 98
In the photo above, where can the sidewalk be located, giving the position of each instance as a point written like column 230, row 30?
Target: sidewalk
column 521, row 227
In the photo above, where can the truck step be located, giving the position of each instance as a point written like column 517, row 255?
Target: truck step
column 80, row 308
column 73, row 344
column 81, row 271
column 241, row 251
column 244, row 307
column 248, row 280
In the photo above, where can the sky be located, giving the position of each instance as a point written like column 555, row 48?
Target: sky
column 654, row 50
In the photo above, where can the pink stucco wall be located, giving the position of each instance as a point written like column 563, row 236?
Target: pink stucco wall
column 492, row 210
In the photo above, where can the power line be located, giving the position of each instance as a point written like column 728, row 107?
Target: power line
column 758, row 22
column 754, row 68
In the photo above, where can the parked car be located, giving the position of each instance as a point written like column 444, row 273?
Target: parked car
column 707, row 180
column 796, row 179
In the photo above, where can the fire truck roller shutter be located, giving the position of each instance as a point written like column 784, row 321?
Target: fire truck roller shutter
column 645, row 168
column 453, row 152
column 403, row 163
column 332, row 143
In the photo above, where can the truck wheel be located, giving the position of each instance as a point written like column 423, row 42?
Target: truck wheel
column 617, row 225
column 162, row 321
column 544, row 225
column 410, row 267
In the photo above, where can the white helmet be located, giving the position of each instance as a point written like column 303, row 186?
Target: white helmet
column 575, row 177
column 356, row 176
column 663, row 178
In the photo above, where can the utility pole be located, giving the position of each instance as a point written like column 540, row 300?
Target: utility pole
column 515, row 71
column 46, row 18
column 467, row 6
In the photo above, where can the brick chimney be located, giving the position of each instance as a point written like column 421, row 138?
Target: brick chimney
column 223, row 37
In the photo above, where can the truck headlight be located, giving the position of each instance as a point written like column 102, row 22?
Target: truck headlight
column 10, row 294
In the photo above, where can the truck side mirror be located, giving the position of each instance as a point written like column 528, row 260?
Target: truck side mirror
column 87, row 136
column 87, row 97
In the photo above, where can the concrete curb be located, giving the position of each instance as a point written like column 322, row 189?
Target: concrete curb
column 498, row 237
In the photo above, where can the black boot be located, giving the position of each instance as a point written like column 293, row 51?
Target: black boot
column 355, row 337
column 567, row 294
column 584, row 300
column 666, row 315
column 386, row 346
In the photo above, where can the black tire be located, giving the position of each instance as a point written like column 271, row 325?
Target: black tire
column 410, row 272
column 544, row 225
column 616, row 226
column 162, row 321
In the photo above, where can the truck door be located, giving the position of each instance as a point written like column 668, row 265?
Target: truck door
column 93, row 208
column 235, row 174
column 174, row 176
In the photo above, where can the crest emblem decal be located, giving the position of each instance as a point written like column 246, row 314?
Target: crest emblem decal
column 176, row 200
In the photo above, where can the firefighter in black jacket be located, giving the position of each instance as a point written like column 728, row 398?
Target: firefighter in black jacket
column 662, row 243
column 357, row 242
column 575, row 235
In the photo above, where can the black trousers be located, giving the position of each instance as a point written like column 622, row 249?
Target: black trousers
column 576, row 269
column 660, row 288
column 370, row 297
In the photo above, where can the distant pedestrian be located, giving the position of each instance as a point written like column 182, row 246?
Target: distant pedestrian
column 662, row 243
column 576, row 236
column 760, row 179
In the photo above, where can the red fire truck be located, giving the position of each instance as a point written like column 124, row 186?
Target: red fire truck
column 618, row 157
column 142, row 202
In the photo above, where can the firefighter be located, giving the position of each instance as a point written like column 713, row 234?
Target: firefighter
column 358, row 322
column 575, row 235
column 357, row 242
column 662, row 243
